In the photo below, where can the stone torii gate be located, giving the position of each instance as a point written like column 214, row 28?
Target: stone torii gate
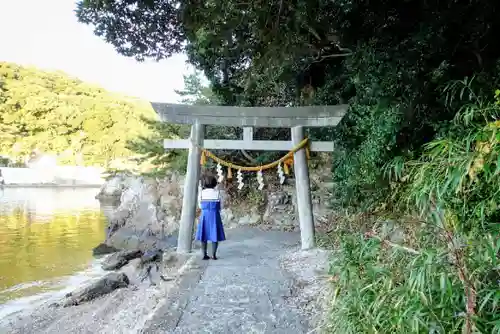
column 295, row 118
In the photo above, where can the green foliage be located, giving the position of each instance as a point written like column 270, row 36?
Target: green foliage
column 456, row 171
column 151, row 154
column 446, row 281
column 195, row 92
column 56, row 114
column 391, row 115
column 248, row 51
column 4, row 161
column 151, row 26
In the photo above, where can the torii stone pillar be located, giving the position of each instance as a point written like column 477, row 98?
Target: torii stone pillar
column 303, row 189
column 191, row 182
column 295, row 118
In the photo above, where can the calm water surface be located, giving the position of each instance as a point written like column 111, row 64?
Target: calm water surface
column 46, row 240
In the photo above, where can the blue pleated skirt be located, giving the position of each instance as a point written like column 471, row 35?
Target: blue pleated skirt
column 210, row 226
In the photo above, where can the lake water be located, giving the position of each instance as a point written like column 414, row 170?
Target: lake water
column 46, row 241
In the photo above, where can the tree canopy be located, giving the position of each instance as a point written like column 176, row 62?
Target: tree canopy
column 390, row 60
column 242, row 44
column 53, row 113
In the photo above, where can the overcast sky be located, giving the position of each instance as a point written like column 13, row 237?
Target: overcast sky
column 46, row 34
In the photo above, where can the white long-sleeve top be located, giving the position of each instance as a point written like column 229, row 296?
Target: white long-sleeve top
column 209, row 195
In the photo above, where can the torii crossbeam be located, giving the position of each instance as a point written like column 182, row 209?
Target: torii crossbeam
column 295, row 118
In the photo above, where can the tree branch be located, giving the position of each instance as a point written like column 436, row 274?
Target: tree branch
column 319, row 60
column 249, row 157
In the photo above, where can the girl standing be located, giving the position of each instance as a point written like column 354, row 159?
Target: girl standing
column 210, row 226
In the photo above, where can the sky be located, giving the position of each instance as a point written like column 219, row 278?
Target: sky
column 46, row 34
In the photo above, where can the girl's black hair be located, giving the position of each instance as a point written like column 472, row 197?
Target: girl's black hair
column 208, row 181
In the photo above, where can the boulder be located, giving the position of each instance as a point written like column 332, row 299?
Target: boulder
column 119, row 259
column 227, row 216
column 149, row 210
column 99, row 288
column 252, row 218
column 125, row 239
column 112, row 188
column 103, row 249
column 150, row 255
column 280, row 210
column 151, row 260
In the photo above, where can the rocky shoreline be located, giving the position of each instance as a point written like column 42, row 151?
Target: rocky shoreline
column 139, row 248
column 118, row 302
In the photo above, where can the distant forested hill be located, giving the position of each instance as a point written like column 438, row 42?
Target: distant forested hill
column 51, row 112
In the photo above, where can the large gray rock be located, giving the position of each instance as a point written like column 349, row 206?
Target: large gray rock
column 112, row 188
column 97, row 289
column 125, row 239
column 280, row 210
column 227, row 216
column 149, row 211
column 118, row 260
column 252, row 218
column 103, row 249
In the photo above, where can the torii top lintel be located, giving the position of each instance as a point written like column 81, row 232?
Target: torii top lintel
column 277, row 117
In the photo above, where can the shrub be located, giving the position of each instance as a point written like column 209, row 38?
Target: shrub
column 443, row 273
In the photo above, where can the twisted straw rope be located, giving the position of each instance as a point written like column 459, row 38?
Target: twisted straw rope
column 303, row 144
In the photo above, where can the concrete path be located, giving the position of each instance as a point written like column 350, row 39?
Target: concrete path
column 244, row 291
